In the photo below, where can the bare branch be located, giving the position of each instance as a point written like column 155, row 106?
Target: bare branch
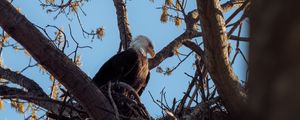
column 231, row 37
column 198, row 109
column 22, row 80
column 191, row 20
column 193, row 46
column 231, row 4
column 43, row 101
column 238, row 23
column 124, row 29
column 169, row 50
column 112, row 101
column 236, row 12
column 180, row 106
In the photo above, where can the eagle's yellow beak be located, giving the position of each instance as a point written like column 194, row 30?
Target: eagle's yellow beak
column 151, row 52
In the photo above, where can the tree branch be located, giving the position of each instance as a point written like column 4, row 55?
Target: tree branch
column 231, row 37
column 124, row 29
column 42, row 101
column 198, row 109
column 231, row 4
column 23, row 81
column 193, row 46
column 216, row 57
column 35, row 93
column 58, row 64
column 169, row 50
column 236, row 12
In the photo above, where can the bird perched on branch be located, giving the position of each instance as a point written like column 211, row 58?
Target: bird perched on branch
column 129, row 66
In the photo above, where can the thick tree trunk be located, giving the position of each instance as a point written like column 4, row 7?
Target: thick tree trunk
column 274, row 58
column 216, row 57
column 53, row 60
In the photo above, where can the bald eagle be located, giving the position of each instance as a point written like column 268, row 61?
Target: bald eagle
column 129, row 66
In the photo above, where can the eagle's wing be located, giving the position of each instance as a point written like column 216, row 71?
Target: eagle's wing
column 144, row 85
column 116, row 67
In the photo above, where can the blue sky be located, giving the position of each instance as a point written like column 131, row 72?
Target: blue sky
column 144, row 19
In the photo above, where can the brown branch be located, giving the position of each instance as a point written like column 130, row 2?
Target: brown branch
column 236, row 25
column 193, row 46
column 169, row 71
column 216, row 57
column 58, row 64
column 124, row 29
column 203, row 73
column 180, row 106
column 191, row 32
column 198, row 109
column 112, row 101
column 42, row 101
column 169, row 50
column 35, row 93
column 231, row 4
column 22, row 80
column 236, row 12
column 231, row 37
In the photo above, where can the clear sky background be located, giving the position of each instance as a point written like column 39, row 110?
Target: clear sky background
column 144, row 19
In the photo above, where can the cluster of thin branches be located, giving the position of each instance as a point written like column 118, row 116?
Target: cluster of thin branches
column 68, row 7
column 199, row 101
column 125, row 101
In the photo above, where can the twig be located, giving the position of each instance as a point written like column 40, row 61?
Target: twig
column 236, row 12
column 192, row 98
column 239, row 22
column 155, row 101
column 29, row 65
column 128, row 87
column 112, row 101
column 180, row 62
column 56, row 38
column 77, row 46
column 244, row 57
column 93, row 34
column 184, row 98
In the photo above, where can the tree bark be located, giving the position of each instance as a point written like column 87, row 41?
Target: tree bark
column 124, row 29
column 54, row 61
column 45, row 102
column 34, row 94
column 23, row 81
column 274, row 60
column 216, row 57
column 169, row 50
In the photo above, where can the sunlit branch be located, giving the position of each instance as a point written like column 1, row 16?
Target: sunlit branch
column 124, row 28
column 43, row 101
column 229, row 5
column 21, row 80
column 236, row 12
column 169, row 50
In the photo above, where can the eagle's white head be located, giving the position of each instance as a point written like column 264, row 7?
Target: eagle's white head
column 143, row 45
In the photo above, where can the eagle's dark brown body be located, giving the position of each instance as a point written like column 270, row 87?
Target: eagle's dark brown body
column 128, row 66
